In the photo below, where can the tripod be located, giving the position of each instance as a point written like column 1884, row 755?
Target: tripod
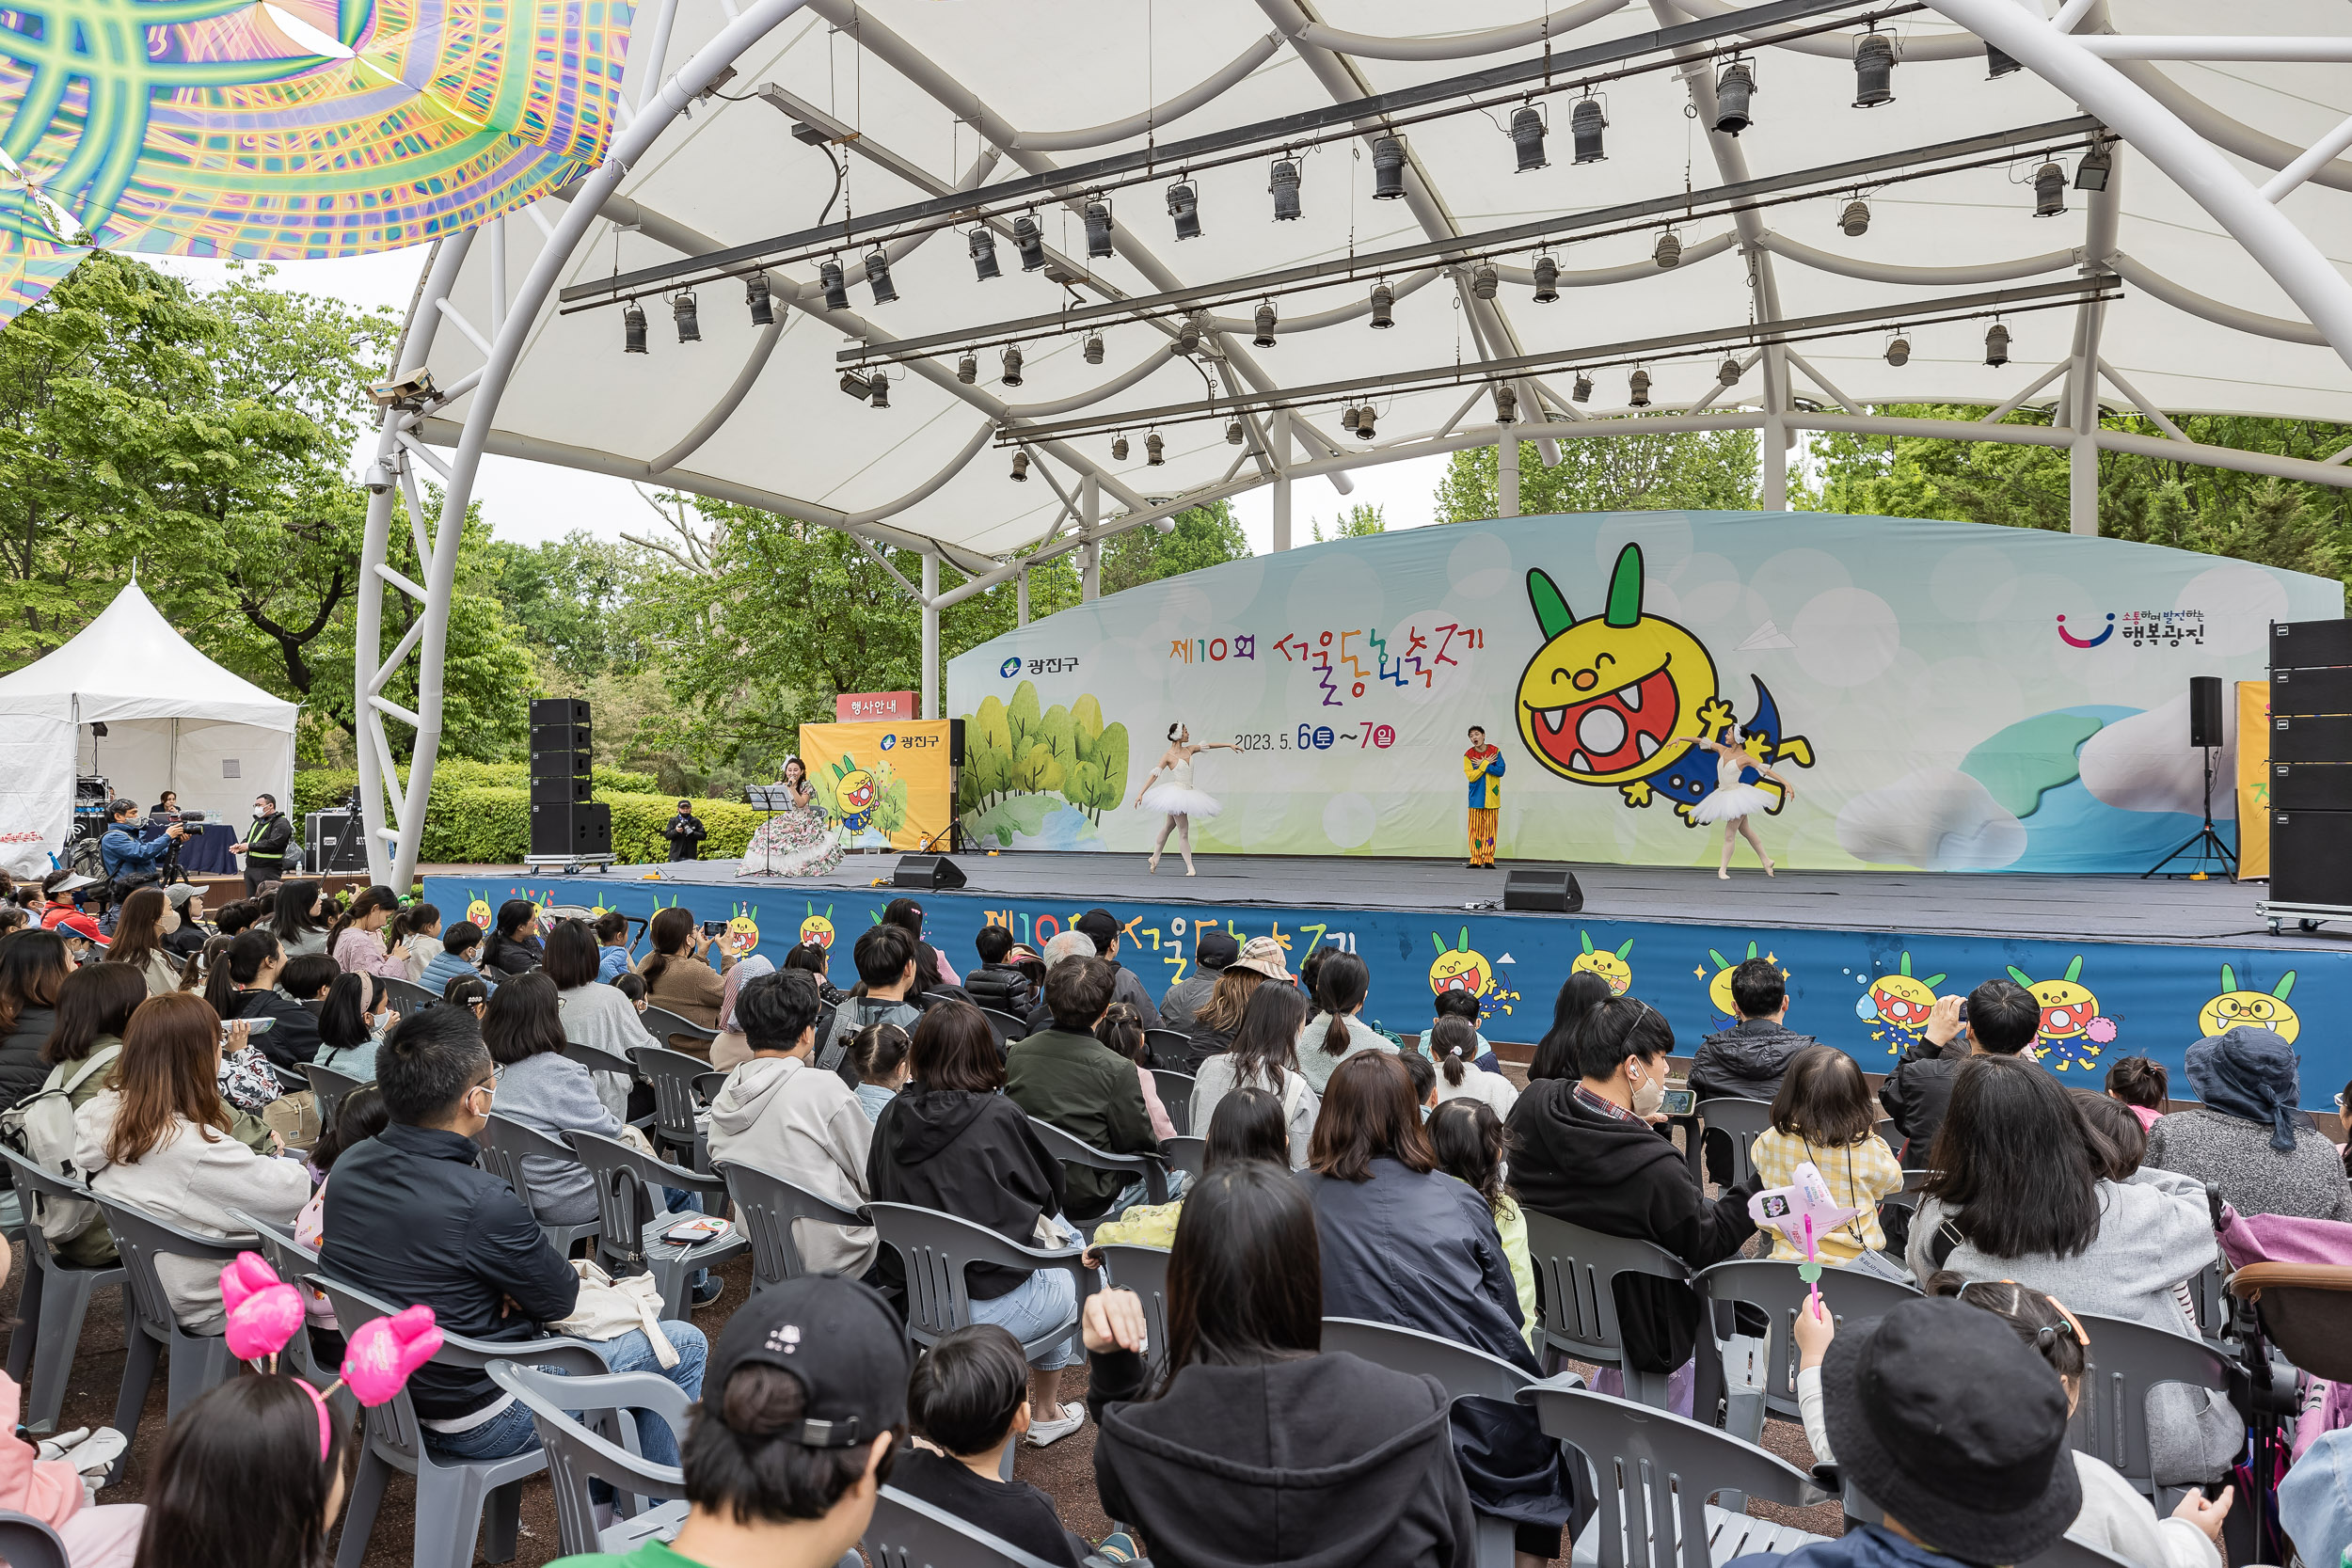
column 2207, row 844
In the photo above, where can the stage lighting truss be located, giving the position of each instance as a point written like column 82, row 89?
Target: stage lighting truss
column 1514, row 87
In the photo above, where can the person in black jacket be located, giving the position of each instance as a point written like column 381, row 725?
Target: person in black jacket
column 997, row 984
column 1593, row 1152
column 1259, row 1447
column 244, row 983
column 267, row 840
column 514, row 947
column 32, row 966
column 1747, row 1060
column 685, row 833
column 412, row 1218
column 1999, row 1019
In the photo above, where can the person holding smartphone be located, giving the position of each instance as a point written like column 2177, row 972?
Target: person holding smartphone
column 678, row 976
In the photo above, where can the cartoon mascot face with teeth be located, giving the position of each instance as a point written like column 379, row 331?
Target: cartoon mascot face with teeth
column 1612, row 697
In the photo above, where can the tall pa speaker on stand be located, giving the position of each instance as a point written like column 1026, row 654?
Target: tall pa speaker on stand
column 2204, row 735
column 569, row 830
column 2310, row 773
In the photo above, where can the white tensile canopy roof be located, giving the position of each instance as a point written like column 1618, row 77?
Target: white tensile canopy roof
column 174, row 721
column 2201, row 325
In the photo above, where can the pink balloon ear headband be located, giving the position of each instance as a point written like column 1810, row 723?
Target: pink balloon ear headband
column 264, row 1313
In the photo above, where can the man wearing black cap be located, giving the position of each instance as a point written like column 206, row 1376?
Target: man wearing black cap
column 685, row 833
column 1102, row 927
column 1941, row 1417
column 1187, row 996
column 805, row 1399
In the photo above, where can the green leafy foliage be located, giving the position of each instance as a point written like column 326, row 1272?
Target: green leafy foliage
column 1623, row 473
column 1355, row 523
column 1013, row 748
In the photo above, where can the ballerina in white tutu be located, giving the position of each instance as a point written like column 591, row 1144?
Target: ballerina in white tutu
column 1175, row 794
column 1732, row 803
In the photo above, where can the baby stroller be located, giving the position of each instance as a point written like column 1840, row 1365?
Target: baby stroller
column 2292, row 1282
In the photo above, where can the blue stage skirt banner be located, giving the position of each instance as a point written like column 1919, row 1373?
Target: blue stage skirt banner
column 1867, row 992
column 1945, row 696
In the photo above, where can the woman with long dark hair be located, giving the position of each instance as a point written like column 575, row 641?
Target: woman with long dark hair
column 248, row 1477
column 295, row 918
column 1247, row 1125
column 32, row 966
column 678, row 976
column 2018, row 1192
column 1555, row 1054
column 242, row 983
column 1256, row 1444
column 546, row 1091
column 513, row 947
column 595, row 1014
column 1338, row 1030
column 355, row 1017
column 358, row 936
column 1264, row 1055
column 138, row 941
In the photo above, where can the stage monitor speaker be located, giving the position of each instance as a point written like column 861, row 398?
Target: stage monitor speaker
column 2298, row 692
column 955, row 743
column 2204, row 710
column 931, row 871
column 2310, row 644
column 557, row 710
column 2310, row 786
column 564, row 789
column 567, row 828
column 2311, row 739
column 1542, row 887
column 2310, row 857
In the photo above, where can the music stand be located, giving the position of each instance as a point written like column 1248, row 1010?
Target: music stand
column 2206, row 842
column 771, row 799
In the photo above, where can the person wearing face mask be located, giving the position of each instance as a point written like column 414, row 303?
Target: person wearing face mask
column 264, row 845
column 1593, row 1151
column 356, row 1012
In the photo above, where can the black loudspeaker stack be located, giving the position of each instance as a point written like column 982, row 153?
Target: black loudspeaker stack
column 2310, row 765
column 565, row 823
column 1548, row 888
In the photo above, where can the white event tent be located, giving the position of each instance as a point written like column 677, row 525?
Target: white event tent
column 173, row 718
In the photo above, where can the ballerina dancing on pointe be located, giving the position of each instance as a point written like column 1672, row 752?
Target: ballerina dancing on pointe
column 1732, row 803
column 1175, row 795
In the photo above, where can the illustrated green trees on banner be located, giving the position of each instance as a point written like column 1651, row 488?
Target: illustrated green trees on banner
column 1012, row 749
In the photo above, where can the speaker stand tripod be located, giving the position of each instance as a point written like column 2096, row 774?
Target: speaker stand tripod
column 2208, row 843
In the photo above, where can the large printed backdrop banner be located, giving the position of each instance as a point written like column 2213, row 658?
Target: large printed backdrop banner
column 1947, row 696
column 885, row 785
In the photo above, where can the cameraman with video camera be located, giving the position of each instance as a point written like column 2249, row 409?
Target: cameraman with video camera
column 131, row 862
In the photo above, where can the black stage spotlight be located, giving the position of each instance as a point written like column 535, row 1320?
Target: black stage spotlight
column 1527, row 138
column 829, row 277
column 1587, row 122
column 1668, row 251
column 1021, row 467
column 1997, row 346
column 1873, row 71
column 1734, row 89
column 1388, row 169
column 1098, row 220
column 1855, row 220
column 982, row 243
column 1011, row 377
column 878, row 275
column 1899, row 350
column 689, row 327
column 1284, row 182
column 1484, row 280
column 632, row 328
column 756, row 296
column 1030, row 241
column 968, row 368
column 1265, row 325
column 1154, row 451
column 1184, row 205
column 2049, row 191
column 1546, row 281
column 1383, row 303
column 1090, row 349
column 1506, row 404
column 1637, row 389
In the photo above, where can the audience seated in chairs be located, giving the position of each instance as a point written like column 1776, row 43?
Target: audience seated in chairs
column 880, row 1054
column 1216, row 1020
column 1255, row 1437
column 244, row 985
column 949, row 1141
column 886, row 959
column 1454, row 1045
column 2003, row 1019
column 678, row 976
column 513, row 945
column 157, row 1138
column 1471, row 1147
column 138, row 940
column 817, row 961
column 1064, row 1077
column 932, row 970
column 1338, row 1030
column 1248, row 1126
column 186, row 932
column 1121, row 1031
column 593, row 1014
column 1263, row 1055
column 731, row 1050
column 1101, row 929
column 784, row 1116
column 469, row 991
column 298, row 917
column 415, row 1219
column 358, row 1013
column 996, row 984
column 2248, row 1138
column 361, row 936
column 1823, row 1115
column 307, row 978
column 249, row 1477
column 32, row 966
column 57, row 1493
column 1211, row 955
column 414, row 937
column 460, row 957
column 2142, row 1084
column 546, row 1091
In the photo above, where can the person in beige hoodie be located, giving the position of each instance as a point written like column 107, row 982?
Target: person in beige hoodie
column 159, row 1139
column 780, row 1114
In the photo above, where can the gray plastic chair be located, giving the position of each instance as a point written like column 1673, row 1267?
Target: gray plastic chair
column 505, row 1142
column 672, row 1073
column 908, row 1533
column 330, row 1086
column 2073, row 1554
column 1187, row 1154
column 622, row 1177
column 1069, row 1150
column 1144, row 1271
column 198, row 1361
column 1739, row 1120
column 1466, row 1372
column 667, row 1027
column 294, row 1261
column 2125, row 1361
column 1771, row 1285
column 708, row 1083
column 1653, row 1472
column 1007, row 1027
column 936, row 1248
column 456, row 1498
column 408, row 998
column 1175, row 1091
column 27, row 1543
column 54, row 1302
column 577, row 1455
column 1576, row 1272
column 1171, row 1048
column 766, row 1205
column 595, row 1060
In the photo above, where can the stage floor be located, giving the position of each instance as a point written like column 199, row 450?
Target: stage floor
column 2106, row 908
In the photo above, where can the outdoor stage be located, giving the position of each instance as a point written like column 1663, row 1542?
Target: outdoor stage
column 2122, row 966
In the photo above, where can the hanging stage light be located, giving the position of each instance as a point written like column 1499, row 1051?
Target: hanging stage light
column 1585, row 123
column 1030, row 241
column 1388, row 169
column 1728, row 371
column 856, row 386
column 1118, row 447
column 1873, row 71
column 1996, row 64
column 881, row 385
column 1506, row 403
column 1098, row 219
column 1484, row 279
column 690, row 328
column 1855, row 220
column 1011, row 377
column 1188, row 335
column 878, row 275
column 1899, row 350
column 632, row 328
column 1383, row 303
column 1546, row 281
column 756, row 296
column 1347, row 417
column 828, row 276
column 2049, row 191
column 1021, row 466
column 982, row 244
column 1363, row 423
column 1154, row 451
column 1997, row 346
column 968, row 368
column 1734, row 89
column 2091, row 173
column 1284, row 182
column 1233, row 432
column 1668, row 253
column 1265, row 325
column 1527, row 138
column 1184, row 205
column 1582, row 391
column 1091, row 349
column 1638, row 390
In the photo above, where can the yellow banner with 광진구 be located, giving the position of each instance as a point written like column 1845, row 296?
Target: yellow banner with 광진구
column 2253, row 781
column 884, row 786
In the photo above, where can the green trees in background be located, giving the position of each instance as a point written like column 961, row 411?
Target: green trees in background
column 1355, row 523
column 1623, row 473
